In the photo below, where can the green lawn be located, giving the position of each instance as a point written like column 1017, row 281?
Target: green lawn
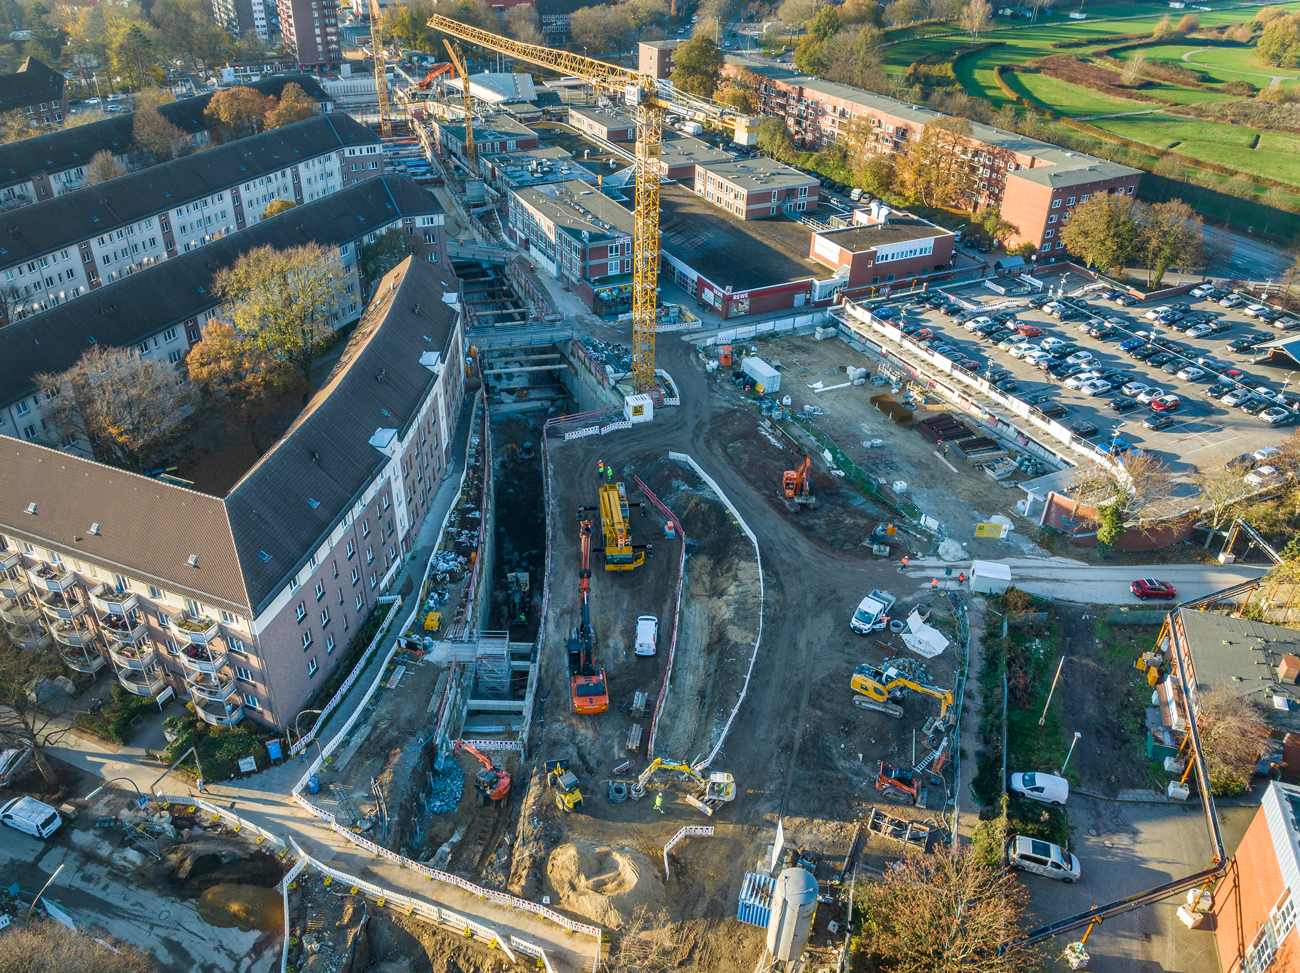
column 1071, row 99
column 1274, row 154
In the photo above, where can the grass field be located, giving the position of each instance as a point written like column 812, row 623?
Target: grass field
column 1070, row 99
column 1274, row 155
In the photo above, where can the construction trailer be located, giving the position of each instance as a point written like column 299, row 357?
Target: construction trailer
column 766, row 378
column 989, row 577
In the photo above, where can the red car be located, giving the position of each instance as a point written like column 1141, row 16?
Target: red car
column 1165, row 403
column 1151, row 588
column 925, row 334
column 1028, row 330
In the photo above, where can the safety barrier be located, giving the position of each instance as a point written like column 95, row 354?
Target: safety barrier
column 758, row 638
column 624, row 424
column 581, row 433
column 230, row 818
column 677, row 609
column 532, row 949
column 690, row 830
column 679, row 326
column 285, row 882
column 673, row 400
column 512, row 745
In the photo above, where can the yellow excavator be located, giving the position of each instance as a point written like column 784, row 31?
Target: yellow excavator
column 719, row 788
column 878, row 689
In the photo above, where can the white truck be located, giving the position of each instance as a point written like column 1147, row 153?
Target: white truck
column 871, row 612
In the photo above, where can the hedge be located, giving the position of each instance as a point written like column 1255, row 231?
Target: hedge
column 113, row 722
column 1034, row 106
column 220, row 748
column 1090, row 41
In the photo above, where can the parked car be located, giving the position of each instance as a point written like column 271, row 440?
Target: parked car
column 30, row 816
column 1236, row 397
column 1029, row 330
column 1053, row 411
column 1158, row 421
column 1278, row 416
column 1145, row 352
column 1101, row 332
column 1011, row 341
column 1052, row 342
column 1115, row 445
column 1202, row 290
column 1255, row 406
column 1246, row 342
column 1096, row 387
column 1025, row 348
column 1126, row 300
column 1244, row 461
column 1232, row 300
column 647, row 634
column 1191, row 373
column 1156, row 312
column 1161, row 360
column 1200, row 330
column 1149, row 393
column 1123, row 404
column 1008, row 385
column 1165, row 403
column 1261, row 475
column 1133, row 388
column 1082, row 379
column 1254, row 310
column 975, row 322
column 1047, row 788
column 1151, row 588
column 1217, row 391
column 1083, row 428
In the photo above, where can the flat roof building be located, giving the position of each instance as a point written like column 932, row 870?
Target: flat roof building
column 756, row 188
column 655, row 58
column 244, row 602
column 533, row 167
column 500, row 133
column 679, row 157
column 609, row 124
column 884, row 246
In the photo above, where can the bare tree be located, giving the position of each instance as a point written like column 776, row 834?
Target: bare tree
column 976, row 18
column 129, row 408
column 28, row 716
column 1233, row 730
column 1221, row 492
column 1134, row 67
column 645, row 944
column 1122, row 490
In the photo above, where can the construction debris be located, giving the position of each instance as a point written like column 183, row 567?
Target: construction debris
column 445, row 789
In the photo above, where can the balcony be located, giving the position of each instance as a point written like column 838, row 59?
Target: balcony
column 53, row 578
column 14, row 587
column 110, row 601
column 10, row 561
column 56, row 605
column 17, row 613
column 194, row 631
column 34, row 641
column 218, row 714
column 126, row 628
column 201, row 660
column 70, row 633
column 142, row 682
column 128, row 656
column 214, row 689
column 85, row 659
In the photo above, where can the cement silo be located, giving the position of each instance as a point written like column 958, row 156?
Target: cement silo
column 794, row 902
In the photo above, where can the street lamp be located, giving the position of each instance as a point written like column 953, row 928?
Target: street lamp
column 101, row 787
column 297, row 730
column 1067, row 756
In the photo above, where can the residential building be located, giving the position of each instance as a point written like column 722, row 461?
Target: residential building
column 581, row 237
column 610, row 124
column 756, row 188
column 1255, row 902
column 55, row 163
column 37, row 91
column 1032, row 183
column 309, row 29
column 554, row 16
column 655, row 58
column 883, row 246
column 62, row 248
column 500, row 133
column 163, row 312
column 244, row 602
column 550, row 163
column 678, row 158
column 243, row 17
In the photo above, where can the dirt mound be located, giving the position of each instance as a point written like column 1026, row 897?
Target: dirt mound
column 246, row 907
column 605, row 883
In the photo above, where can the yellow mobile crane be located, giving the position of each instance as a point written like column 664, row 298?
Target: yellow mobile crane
column 619, row 553
column 877, row 688
column 381, row 71
column 651, row 99
column 719, row 788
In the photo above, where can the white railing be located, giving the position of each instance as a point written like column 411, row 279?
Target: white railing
column 691, row 830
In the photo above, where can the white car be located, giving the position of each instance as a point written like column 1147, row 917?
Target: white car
column 1250, row 310
column 1276, row 414
column 1200, row 331
column 1043, row 858
column 1146, row 395
column 647, row 634
column 1096, row 387
column 974, row 323
column 1047, row 788
column 1266, row 453
column 1080, row 380
column 1261, row 475
column 1051, row 307
column 1232, row 300
column 1025, row 349
column 1015, row 339
column 1236, row 397
column 1191, row 373
column 1202, row 290
column 1133, row 388
column 1079, row 357
column 1036, row 356
column 1155, row 312
column 1053, row 342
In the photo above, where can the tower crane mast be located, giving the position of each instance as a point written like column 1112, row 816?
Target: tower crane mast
column 650, row 98
column 381, row 71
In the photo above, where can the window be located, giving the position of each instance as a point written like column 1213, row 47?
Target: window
column 1052, row 218
column 1056, row 204
column 245, row 674
column 306, row 639
column 169, row 334
column 252, row 702
column 301, row 611
column 154, row 592
column 374, row 582
column 1049, row 234
column 236, row 645
column 370, row 555
column 1084, row 198
column 163, row 619
column 227, row 617
column 324, row 617
column 329, row 644
column 356, row 576
column 1070, row 201
column 365, row 528
column 320, row 590
column 360, row 604
column 351, row 550
column 1130, row 190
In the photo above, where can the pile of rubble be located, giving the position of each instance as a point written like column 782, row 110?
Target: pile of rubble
column 617, row 356
column 444, row 790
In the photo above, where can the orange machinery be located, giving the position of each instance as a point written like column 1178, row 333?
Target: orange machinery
column 492, row 782
column 587, row 683
column 796, row 484
column 437, row 70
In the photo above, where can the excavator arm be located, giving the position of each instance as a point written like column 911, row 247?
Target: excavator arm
column 877, row 685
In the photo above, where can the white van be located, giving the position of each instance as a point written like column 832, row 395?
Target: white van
column 647, row 634
column 1047, row 788
column 30, row 816
column 1042, row 858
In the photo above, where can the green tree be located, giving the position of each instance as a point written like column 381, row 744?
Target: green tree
column 825, row 23
column 1102, row 231
column 286, row 301
column 775, row 139
column 808, row 56
column 873, row 172
column 1279, row 45
column 384, row 253
column 934, row 171
column 905, row 11
column 698, row 66
column 134, row 54
column 990, row 218
column 1170, row 235
column 243, row 379
column 241, row 110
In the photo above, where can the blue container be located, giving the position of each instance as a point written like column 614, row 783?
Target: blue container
column 313, row 785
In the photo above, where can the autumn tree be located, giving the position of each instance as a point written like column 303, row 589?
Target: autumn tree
column 1164, row 28
column 286, row 301
column 853, row 56
column 948, row 911
column 1122, row 489
column 873, row 172
column 14, row 127
column 862, row 12
column 741, row 99
column 155, row 136
column 102, row 167
column 51, row 947
column 600, row 29
column 1233, row 732
column 905, row 11
column 990, row 218
column 127, row 406
column 134, row 53
column 388, row 250
column 37, row 720
column 241, row 377
column 1102, row 230
column 1221, row 492
column 277, row 206
column 186, row 28
column 521, row 24
column 775, row 139
column 698, row 66
column 935, row 171
column 976, row 18
column 1187, row 23
column 294, row 106
column 825, row 23
column 795, row 13
column 1170, row 235
column 1279, row 45
column 241, row 110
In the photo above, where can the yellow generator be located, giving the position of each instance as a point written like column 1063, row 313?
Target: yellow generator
column 619, row 555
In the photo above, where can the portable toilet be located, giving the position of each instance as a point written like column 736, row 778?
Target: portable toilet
column 724, row 356
column 794, row 903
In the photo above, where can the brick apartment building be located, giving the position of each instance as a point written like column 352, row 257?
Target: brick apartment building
column 163, row 312
column 55, row 163
column 756, row 188
column 62, row 248
column 1255, row 903
column 883, row 247
column 37, row 91
column 655, row 58
column 309, row 30
column 581, row 237
column 1033, row 183
column 554, row 16
column 679, row 157
column 244, row 602
column 609, row 124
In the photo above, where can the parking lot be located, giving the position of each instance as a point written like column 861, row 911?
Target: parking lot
column 1187, row 417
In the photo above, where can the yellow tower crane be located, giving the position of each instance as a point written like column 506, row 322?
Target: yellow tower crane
column 381, row 71
column 474, row 192
column 651, row 99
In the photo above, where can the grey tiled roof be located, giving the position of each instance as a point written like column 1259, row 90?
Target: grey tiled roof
column 32, row 83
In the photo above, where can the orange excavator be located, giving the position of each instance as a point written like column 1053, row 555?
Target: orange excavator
column 438, row 69
column 492, row 782
column 587, row 683
column 796, row 485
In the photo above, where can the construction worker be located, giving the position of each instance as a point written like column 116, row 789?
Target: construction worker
column 523, row 618
column 961, row 578
column 934, row 584
column 650, row 550
column 659, row 802
column 903, row 566
column 642, row 508
column 609, row 473
column 600, row 469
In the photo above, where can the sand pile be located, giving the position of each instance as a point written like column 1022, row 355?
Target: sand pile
column 603, row 882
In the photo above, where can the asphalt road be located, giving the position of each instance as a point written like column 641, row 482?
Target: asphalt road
column 1245, row 257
